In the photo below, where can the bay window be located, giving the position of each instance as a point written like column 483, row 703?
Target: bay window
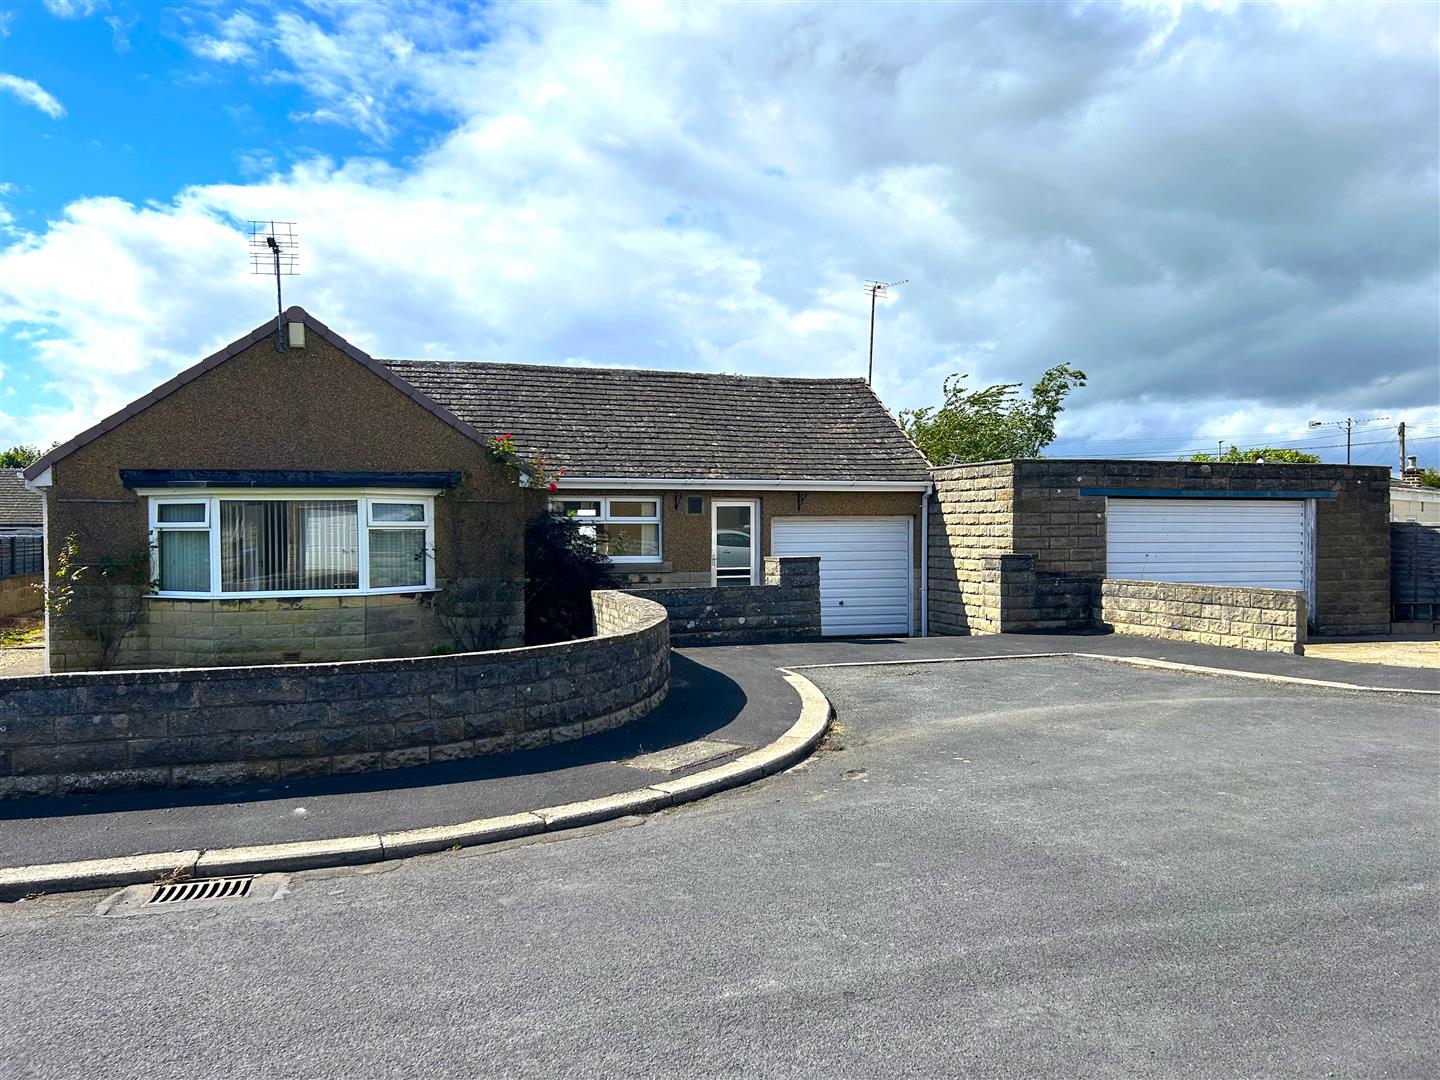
column 307, row 543
column 625, row 529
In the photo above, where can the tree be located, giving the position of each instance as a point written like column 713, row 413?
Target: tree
column 993, row 423
column 19, row 457
column 1430, row 479
column 562, row 568
column 1236, row 456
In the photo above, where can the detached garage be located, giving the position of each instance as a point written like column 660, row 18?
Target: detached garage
column 1319, row 530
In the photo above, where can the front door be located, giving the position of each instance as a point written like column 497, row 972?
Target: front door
column 735, row 542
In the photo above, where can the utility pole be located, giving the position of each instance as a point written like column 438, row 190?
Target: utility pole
column 875, row 288
column 1402, row 447
column 1349, row 425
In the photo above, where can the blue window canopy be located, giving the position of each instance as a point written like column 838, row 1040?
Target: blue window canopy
column 282, row 478
column 1202, row 493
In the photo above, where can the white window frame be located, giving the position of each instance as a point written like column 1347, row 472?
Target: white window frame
column 365, row 500
column 607, row 518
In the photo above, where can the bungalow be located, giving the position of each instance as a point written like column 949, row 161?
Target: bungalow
column 21, row 513
column 313, row 503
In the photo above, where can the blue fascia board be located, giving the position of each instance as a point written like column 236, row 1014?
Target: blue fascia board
column 283, row 478
column 1193, row 493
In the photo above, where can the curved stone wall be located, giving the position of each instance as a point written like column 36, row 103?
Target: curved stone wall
column 196, row 727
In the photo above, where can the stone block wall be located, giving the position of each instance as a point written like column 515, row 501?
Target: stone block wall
column 20, row 596
column 785, row 608
column 1035, row 507
column 310, row 629
column 1012, row 597
column 97, row 731
column 971, row 519
column 1270, row 620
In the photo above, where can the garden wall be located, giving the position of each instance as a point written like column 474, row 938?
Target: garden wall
column 785, row 608
column 20, row 596
column 1271, row 620
column 98, row 731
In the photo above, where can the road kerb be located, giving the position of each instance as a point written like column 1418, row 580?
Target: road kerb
column 589, row 811
column 17, row 882
column 408, row 842
column 299, row 855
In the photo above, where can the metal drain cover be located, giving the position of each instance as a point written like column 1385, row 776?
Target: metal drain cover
column 196, row 893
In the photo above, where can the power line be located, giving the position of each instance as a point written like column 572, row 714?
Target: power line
column 1315, row 446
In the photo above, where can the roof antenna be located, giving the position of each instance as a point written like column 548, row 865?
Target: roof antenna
column 275, row 249
column 876, row 288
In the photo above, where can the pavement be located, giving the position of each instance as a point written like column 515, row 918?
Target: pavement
column 734, row 697
column 722, row 697
column 1043, row 866
column 1398, row 650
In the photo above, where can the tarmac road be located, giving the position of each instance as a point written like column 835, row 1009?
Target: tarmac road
column 1013, row 868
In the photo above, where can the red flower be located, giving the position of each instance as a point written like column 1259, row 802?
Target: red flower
column 553, row 486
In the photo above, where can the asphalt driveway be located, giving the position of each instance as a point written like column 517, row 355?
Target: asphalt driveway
column 1012, row 868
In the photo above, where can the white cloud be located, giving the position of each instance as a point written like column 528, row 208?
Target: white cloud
column 1224, row 216
column 32, row 94
column 73, row 9
column 236, row 40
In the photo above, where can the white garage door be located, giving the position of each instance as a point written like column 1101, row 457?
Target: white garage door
column 865, row 570
column 1254, row 542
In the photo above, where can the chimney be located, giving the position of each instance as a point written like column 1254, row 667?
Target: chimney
column 1410, row 475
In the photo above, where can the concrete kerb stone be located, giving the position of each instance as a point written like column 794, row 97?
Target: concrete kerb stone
column 798, row 740
column 17, row 882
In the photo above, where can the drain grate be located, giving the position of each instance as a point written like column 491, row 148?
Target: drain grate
column 223, row 888
column 196, row 895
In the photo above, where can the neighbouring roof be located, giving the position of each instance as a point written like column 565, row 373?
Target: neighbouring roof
column 18, row 504
column 622, row 423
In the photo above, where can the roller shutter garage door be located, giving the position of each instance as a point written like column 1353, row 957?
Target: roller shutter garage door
column 865, row 571
column 1254, row 542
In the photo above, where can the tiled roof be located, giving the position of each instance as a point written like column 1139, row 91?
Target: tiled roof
column 18, row 504
column 615, row 422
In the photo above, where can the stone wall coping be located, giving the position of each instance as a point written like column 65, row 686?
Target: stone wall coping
column 646, row 616
column 1209, row 590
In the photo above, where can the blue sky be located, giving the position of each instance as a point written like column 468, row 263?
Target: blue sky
column 1226, row 214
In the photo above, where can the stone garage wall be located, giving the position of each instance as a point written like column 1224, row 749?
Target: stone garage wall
column 785, row 608
column 1271, row 620
column 127, row 730
column 1036, row 507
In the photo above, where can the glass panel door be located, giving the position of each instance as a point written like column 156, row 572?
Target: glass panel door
column 734, row 543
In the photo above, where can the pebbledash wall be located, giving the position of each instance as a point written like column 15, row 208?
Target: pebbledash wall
column 323, row 410
column 85, row 732
column 1014, row 545
column 785, row 608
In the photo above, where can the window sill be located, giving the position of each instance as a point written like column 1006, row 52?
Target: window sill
column 404, row 591
column 658, row 566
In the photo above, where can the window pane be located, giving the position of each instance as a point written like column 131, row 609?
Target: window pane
column 180, row 512
column 397, row 511
column 397, row 558
column 629, row 541
column 579, row 507
column 288, row 546
column 184, row 560
column 634, row 508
